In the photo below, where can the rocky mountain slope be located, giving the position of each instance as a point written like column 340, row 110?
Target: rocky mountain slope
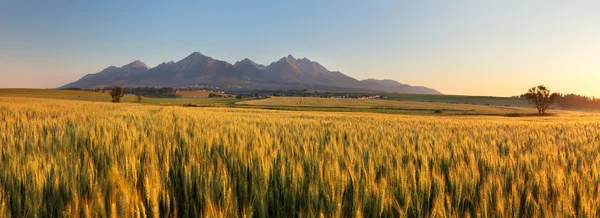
column 286, row 73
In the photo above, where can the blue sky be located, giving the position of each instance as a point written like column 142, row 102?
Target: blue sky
column 458, row 47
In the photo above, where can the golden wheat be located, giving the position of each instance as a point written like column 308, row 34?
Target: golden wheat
column 70, row 158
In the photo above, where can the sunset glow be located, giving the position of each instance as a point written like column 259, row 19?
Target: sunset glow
column 463, row 47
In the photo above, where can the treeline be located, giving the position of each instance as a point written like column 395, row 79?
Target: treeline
column 573, row 101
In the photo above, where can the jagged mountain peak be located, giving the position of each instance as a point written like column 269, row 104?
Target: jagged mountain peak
column 305, row 60
column 311, row 66
column 247, row 61
column 287, row 58
column 250, row 69
column 197, row 68
column 195, row 56
column 136, row 64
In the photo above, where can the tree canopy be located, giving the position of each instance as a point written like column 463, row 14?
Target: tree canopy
column 541, row 97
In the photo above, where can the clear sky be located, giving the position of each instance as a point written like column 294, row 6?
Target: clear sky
column 458, row 47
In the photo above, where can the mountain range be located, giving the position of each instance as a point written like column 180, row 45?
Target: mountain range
column 286, row 73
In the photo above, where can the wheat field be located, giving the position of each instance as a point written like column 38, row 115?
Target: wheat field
column 92, row 159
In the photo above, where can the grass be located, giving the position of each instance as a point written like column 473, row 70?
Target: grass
column 179, row 101
column 411, row 106
column 460, row 99
column 61, row 94
column 94, row 159
column 382, row 106
column 104, row 97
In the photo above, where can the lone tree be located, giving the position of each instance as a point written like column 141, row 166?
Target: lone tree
column 541, row 97
column 116, row 94
column 139, row 97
